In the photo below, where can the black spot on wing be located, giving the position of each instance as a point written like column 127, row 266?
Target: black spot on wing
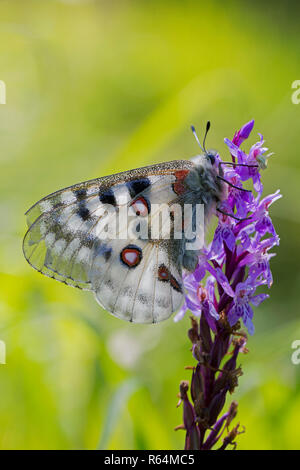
column 136, row 187
column 107, row 197
column 80, row 194
column 83, row 212
column 107, row 255
column 103, row 250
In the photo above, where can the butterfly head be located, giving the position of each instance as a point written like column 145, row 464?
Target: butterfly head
column 210, row 160
column 211, row 155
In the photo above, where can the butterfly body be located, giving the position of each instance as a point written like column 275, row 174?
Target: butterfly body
column 136, row 278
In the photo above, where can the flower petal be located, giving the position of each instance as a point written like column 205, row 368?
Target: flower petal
column 223, row 281
column 228, row 238
column 249, row 325
column 258, row 299
column 180, row 314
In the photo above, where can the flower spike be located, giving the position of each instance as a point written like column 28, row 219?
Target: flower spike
column 221, row 293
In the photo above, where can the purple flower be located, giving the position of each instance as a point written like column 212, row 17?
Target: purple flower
column 199, row 300
column 223, row 234
column 222, row 291
column 206, row 302
column 256, row 156
column 259, row 267
column 264, row 223
column 238, row 259
column 242, row 200
column 243, row 133
column 240, row 308
column 223, row 281
column 202, row 266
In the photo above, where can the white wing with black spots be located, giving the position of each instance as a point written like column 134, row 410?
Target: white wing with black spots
column 63, row 240
column 145, row 287
column 135, row 274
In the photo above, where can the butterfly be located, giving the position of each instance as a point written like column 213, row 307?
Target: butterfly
column 136, row 278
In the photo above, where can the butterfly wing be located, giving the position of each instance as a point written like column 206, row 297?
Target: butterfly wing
column 150, row 291
column 138, row 280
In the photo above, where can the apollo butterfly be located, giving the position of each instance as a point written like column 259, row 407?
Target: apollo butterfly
column 136, row 278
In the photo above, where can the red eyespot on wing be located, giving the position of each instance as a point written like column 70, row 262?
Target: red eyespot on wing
column 131, row 256
column 163, row 273
column 165, row 276
column 141, row 206
column 175, row 284
column 178, row 186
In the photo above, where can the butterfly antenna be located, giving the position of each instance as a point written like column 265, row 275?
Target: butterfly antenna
column 206, row 132
column 196, row 137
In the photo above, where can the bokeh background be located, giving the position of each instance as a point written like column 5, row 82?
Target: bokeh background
column 97, row 87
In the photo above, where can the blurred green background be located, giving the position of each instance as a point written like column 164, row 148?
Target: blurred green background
column 97, row 87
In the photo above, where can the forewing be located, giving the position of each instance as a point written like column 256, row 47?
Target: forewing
column 63, row 240
column 61, row 234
